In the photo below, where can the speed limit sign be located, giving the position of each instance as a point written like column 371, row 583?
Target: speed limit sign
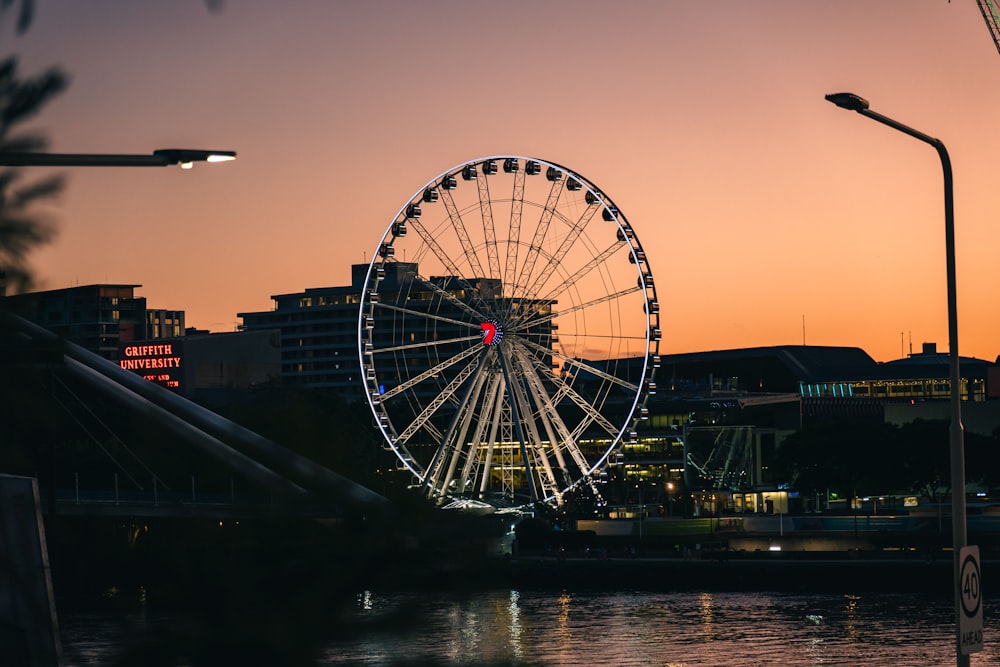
column 970, row 582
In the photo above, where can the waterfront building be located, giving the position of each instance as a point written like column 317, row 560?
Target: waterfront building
column 113, row 321
column 318, row 333
column 98, row 317
column 718, row 416
column 206, row 367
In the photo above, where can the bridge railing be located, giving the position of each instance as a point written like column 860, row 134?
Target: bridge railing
column 112, row 499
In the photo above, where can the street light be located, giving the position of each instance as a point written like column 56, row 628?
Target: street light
column 853, row 102
column 163, row 157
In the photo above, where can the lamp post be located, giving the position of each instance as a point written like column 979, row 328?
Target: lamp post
column 162, row 157
column 853, row 102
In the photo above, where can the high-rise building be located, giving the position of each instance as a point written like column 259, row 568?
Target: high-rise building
column 319, row 327
column 319, row 335
column 97, row 317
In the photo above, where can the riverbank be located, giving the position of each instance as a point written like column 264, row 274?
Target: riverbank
column 112, row 564
column 783, row 572
column 695, row 570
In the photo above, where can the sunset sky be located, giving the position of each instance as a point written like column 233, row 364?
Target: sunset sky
column 761, row 206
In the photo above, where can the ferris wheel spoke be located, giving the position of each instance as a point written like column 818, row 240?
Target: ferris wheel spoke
column 491, row 415
column 424, row 315
column 559, row 434
column 430, row 343
column 578, row 307
column 580, row 273
column 463, row 234
column 440, row 253
column 514, row 233
column 566, row 390
column 489, row 228
column 520, row 290
column 443, row 397
column 527, row 441
column 431, row 372
column 441, row 472
column 539, row 410
column 555, row 259
column 449, row 298
column 570, row 361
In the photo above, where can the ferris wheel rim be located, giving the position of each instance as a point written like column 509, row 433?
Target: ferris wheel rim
column 521, row 355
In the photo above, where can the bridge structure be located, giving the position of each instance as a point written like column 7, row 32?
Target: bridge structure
column 183, row 468
column 251, row 475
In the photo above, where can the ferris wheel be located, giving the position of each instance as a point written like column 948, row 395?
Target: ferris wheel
column 508, row 333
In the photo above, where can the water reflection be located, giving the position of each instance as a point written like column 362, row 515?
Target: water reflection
column 515, row 624
column 562, row 619
column 707, row 634
column 635, row 628
column 852, row 614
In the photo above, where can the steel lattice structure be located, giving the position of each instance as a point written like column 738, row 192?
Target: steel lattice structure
column 990, row 15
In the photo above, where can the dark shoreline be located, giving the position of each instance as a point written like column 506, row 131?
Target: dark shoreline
column 185, row 564
column 808, row 572
column 771, row 572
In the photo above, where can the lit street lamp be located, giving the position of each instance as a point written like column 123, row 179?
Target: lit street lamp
column 163, row 157
column 853, row 102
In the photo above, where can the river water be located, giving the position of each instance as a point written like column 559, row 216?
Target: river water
column 514, row 627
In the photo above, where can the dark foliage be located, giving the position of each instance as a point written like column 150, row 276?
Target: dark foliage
column 862, row 458
column 21, row 228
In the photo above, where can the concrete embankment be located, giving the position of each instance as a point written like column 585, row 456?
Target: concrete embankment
column 722, row 572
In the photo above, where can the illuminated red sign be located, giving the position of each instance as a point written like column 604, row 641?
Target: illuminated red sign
column 162, row 358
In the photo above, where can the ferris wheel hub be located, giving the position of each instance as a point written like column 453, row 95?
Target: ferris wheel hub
column 492, row 332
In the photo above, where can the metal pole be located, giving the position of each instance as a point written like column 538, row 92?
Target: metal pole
column 956, row 433
column 162, row 157
column 74, row 160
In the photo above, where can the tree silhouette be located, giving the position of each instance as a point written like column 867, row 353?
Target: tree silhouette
column 21, row 228
column 846, row 455
column 26, row 12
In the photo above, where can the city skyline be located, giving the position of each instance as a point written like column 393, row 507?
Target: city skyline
column 769, row 216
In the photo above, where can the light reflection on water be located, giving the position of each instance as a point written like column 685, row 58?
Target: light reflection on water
column 638, row 628
column 674, row 629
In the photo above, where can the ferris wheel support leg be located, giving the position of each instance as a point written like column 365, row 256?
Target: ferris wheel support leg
column 495, row 427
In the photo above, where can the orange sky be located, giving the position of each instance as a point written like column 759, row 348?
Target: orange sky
column 758, row 203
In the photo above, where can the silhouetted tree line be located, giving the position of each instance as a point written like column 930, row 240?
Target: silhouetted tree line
column 22, row 227
column 865, row 458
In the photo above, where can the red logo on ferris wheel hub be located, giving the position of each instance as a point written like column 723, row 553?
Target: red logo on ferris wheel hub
column 492, row 333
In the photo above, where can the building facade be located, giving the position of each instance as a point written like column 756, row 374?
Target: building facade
column 206, row 367
column 99, row 318
column 719, row 416
column 319, row 329
column 318, row 333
